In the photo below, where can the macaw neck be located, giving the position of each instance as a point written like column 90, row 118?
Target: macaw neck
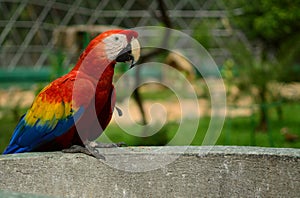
column 99, row 70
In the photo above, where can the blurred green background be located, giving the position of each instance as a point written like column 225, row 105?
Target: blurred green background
column 255, row 44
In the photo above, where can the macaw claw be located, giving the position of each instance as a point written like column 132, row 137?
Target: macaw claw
column 88, row 151
column 95, row 144
column 91, row 148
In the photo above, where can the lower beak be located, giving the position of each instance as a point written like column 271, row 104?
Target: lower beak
column 130, row 53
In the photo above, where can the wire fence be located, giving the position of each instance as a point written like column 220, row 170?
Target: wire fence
column 27, row 26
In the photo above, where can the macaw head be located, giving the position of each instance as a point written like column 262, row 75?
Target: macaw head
column 115, row 46
column 122, row 46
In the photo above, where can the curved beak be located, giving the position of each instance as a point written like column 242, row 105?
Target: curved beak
column 130, row 53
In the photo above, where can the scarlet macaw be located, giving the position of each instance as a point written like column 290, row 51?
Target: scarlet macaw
column 66, row 114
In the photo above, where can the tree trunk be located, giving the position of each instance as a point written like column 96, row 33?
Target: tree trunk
column 263, row 110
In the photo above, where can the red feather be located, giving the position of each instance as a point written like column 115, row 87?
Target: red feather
column 87, row 86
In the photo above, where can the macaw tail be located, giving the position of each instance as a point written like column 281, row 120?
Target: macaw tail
column 14, row 149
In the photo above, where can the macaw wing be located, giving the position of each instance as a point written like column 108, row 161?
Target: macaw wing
column 51, row 115
column 27, row 137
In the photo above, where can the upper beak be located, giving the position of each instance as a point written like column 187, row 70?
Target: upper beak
column 130, row 53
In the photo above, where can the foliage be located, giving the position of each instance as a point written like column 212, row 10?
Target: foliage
column 272, row 22
column 254, row 77
column 273, row 28
column 202, row 34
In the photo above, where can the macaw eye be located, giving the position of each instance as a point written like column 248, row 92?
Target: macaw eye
column 116, row 38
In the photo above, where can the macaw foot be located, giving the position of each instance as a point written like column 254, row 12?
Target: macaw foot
column 105, row 145
column 88, row 150
column 91, row 148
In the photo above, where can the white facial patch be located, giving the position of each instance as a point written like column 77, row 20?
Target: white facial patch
column 114, row 44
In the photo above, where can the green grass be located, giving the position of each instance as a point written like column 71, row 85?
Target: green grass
column 236, row 131
column 239, row 131
column 158, row 95
column 7, row 125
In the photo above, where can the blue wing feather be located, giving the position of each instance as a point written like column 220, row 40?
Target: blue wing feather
column 26, row 138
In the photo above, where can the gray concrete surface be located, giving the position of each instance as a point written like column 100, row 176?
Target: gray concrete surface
column 7, row 194
column 198, row 172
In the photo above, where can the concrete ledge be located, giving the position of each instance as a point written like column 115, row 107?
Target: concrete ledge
column 198, row 172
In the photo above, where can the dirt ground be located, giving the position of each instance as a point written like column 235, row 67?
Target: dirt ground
column 169, row 109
